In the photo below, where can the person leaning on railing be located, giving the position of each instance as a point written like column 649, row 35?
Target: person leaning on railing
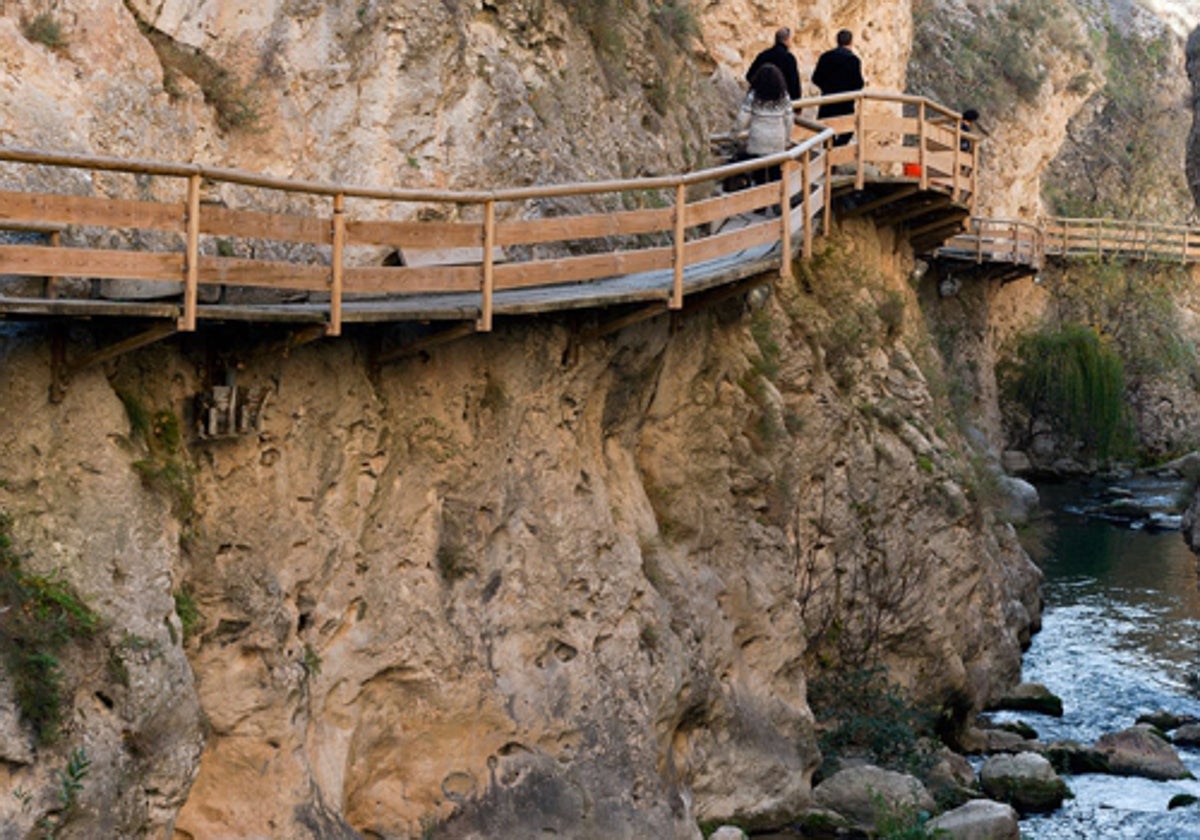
column 767, row 113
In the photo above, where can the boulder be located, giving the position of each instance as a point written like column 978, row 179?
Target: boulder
column 1016, row 462
column 1026, row 781
column 1166, row 721
column 951, row 780
column 1187, row 735
column 1075, row 758
column 728, row 832
column 979, row 819
column 1019, row 500
column 1140, row 751
column 1031, row 697
column 866, row 794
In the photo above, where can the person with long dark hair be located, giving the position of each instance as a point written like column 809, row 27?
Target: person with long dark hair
column 767, row 113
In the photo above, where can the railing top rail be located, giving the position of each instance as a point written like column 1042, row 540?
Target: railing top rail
column 878, row 96
column 15, row 154
column 1120, row 223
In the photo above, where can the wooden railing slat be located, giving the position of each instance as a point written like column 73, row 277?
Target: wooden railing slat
column 41, row 261
column 90, row 210
column 253, row 224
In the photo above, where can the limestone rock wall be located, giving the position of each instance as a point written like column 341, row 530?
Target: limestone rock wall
column 521, row 580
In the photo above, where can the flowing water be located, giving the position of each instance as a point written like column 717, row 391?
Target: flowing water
column 1120, row 637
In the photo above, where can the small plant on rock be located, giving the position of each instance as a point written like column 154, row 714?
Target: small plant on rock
column 44, row 29
column 42, row 616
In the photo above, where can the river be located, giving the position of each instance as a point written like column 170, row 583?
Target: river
column 1120, row 636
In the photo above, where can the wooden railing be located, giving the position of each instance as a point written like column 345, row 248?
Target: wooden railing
column 1127, row 239
column 1024, row 243
column 195, row 231
column 899, row 135
column 331, row 240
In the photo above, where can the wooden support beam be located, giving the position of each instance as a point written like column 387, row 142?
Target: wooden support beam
column 914, row 210
column 949, row 221
column 883, row 201
column 63, row 369
column 413, row 347
column 613, row 325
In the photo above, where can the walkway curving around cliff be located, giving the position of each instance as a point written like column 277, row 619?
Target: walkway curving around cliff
column 198, row 243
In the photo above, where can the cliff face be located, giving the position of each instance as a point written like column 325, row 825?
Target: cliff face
column 528, row 578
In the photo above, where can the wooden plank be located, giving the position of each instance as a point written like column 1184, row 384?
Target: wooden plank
column 731, row 204
column 892, row 123
column 233, row 271
column 430, row 235
column 589, row 226
column 89, row 210
column 403, row 280
column 733, row 241
column 578, row 269
column 251, row 224
column 41, row 261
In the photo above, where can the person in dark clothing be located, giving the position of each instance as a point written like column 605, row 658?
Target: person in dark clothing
column 779, row 54
column 838, row 70
column 969, row 118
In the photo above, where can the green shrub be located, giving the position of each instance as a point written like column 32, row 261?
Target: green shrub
column 44, row 29
column 677, row 20
column 902, row 822
column 1071, row 379
column 43, row 616
column 859, row 712
column 190, row 617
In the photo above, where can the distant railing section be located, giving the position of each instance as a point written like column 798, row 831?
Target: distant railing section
column 1128, row 239
column 1024, row 243
column 997, row 241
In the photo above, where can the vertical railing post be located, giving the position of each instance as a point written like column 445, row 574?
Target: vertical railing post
column 922, row 140
column 484, row 324
column 958, row 142
column 191, row 265
column 785, row 218
column 1099, row 246
column 1016, row 239
column 827, row 190
column 974, row 181
column 1184, row 256
column 978, row 241
column 860, row 136
column 678, row 258
column 806, row 202
column 338, row 261
column 52, row 280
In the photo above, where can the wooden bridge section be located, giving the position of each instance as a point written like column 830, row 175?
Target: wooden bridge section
column 185, row 244
column 1011, row 249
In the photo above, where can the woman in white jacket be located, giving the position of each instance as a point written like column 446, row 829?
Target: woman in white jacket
column 767, row 113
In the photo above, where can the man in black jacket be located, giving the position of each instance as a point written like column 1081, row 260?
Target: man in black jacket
column 838, row 70
column 780, row 54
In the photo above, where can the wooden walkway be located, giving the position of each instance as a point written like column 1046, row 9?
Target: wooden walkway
column 185, row 244
column 1012, row 249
